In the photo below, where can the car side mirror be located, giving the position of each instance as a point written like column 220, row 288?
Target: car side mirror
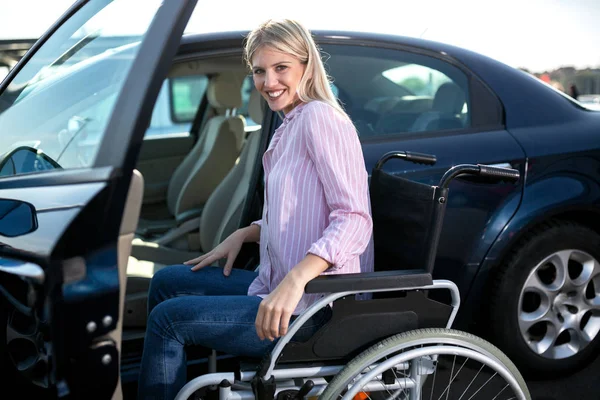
column 17, row 218
column 24, row 160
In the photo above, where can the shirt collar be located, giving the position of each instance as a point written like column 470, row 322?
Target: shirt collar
column 295, row 111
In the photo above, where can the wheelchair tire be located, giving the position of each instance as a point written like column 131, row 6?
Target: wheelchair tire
column 427, row 338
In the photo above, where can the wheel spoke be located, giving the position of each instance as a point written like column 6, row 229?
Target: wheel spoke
column 595, row 269
column 590, row 270
column 433, row 383
column 452, row 377
column 552, row 325
column 594, row 303
column 500, row 392
column 385, row 387
column 450, row 382
column 527, row 320
column 579, row 301
column 472, row 380
column 486, row 382
column 561, row 262
column 546, row 343
column 397, row 380
column 580, row 336
column 592, row 326
column 535, row 282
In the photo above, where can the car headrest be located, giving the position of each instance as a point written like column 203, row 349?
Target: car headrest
column 449, row 98
column 224, row 91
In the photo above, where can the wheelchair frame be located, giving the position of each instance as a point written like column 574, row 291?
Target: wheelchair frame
column 286, row 374
column 268, row 382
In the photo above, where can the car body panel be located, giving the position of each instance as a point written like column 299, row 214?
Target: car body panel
column 561, row 183
column 487, row 207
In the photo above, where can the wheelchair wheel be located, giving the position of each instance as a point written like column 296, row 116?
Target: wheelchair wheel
column 429, row 364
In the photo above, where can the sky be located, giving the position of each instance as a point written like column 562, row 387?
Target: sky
column 536, row 34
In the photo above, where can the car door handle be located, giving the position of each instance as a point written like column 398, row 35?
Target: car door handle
column 23, row 269
column 500, row 165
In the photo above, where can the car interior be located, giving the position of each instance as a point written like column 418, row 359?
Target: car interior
column 207, row 191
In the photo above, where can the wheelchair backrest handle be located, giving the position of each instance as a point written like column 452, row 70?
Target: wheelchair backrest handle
column 503, row 174
column 484, row 171
column 417, row 158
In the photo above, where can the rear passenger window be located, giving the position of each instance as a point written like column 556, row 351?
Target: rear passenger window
column 247, row 88
column 176, row 105
column 178, row 102
column 186, row 94
column 388, row 92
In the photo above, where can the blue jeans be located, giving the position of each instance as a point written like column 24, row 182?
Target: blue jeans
column 201, row 308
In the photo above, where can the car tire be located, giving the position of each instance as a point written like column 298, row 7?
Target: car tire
column 545, row 287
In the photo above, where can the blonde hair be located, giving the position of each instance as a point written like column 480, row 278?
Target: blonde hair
column 290, row 37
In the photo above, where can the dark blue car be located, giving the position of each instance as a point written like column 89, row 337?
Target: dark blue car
column 80, row 113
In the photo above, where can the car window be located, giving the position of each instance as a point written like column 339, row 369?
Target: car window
column 178, row 102
column 186, row 94
column 60, row 102
column 389, row 92
column 247, row 87
column 176, row 105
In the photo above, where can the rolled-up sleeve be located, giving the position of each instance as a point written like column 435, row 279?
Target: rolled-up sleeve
column 333, row 145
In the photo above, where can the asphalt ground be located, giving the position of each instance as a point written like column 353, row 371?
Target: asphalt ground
column 582, row 385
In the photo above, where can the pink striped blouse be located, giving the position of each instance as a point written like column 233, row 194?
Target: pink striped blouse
column 316, row 199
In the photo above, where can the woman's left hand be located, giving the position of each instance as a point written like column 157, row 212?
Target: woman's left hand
column 276, row 309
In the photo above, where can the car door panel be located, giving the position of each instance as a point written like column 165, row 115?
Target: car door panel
column 55, row 207
column 70, row 266
column 126, row 234
column 477, row 211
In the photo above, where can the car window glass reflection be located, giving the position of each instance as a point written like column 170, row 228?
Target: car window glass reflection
column 60, row 102
column 399, row 92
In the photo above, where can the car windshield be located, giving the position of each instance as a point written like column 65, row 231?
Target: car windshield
column 60, row 102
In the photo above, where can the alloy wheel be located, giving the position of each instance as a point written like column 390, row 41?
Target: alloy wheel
column 559, row 304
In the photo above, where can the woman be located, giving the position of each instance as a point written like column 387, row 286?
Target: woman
column 316, row 220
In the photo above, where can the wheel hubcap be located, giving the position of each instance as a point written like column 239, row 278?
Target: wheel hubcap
column 559, row 305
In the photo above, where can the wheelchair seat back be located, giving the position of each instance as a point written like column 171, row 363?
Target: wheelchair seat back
column 407, row 220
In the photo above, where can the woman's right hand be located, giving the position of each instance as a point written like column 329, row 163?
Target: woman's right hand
column 229, row 249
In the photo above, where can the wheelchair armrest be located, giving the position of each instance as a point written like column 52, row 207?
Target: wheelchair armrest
column 366, row 282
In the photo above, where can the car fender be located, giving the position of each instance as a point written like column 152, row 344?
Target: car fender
column 568, row 196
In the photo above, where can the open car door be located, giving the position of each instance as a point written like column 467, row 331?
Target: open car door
column 73, row 114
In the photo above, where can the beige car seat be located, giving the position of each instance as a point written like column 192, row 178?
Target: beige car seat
column 220, row 217
column 211, row 158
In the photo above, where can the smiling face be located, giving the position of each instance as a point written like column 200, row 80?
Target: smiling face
column 277, row 76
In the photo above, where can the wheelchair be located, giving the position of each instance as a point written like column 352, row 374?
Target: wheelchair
column 388, row 337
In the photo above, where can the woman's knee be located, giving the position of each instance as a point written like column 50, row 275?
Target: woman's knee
column 164, row 283
column 159, row 319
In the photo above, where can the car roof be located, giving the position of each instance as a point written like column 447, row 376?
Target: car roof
column 219, row 40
